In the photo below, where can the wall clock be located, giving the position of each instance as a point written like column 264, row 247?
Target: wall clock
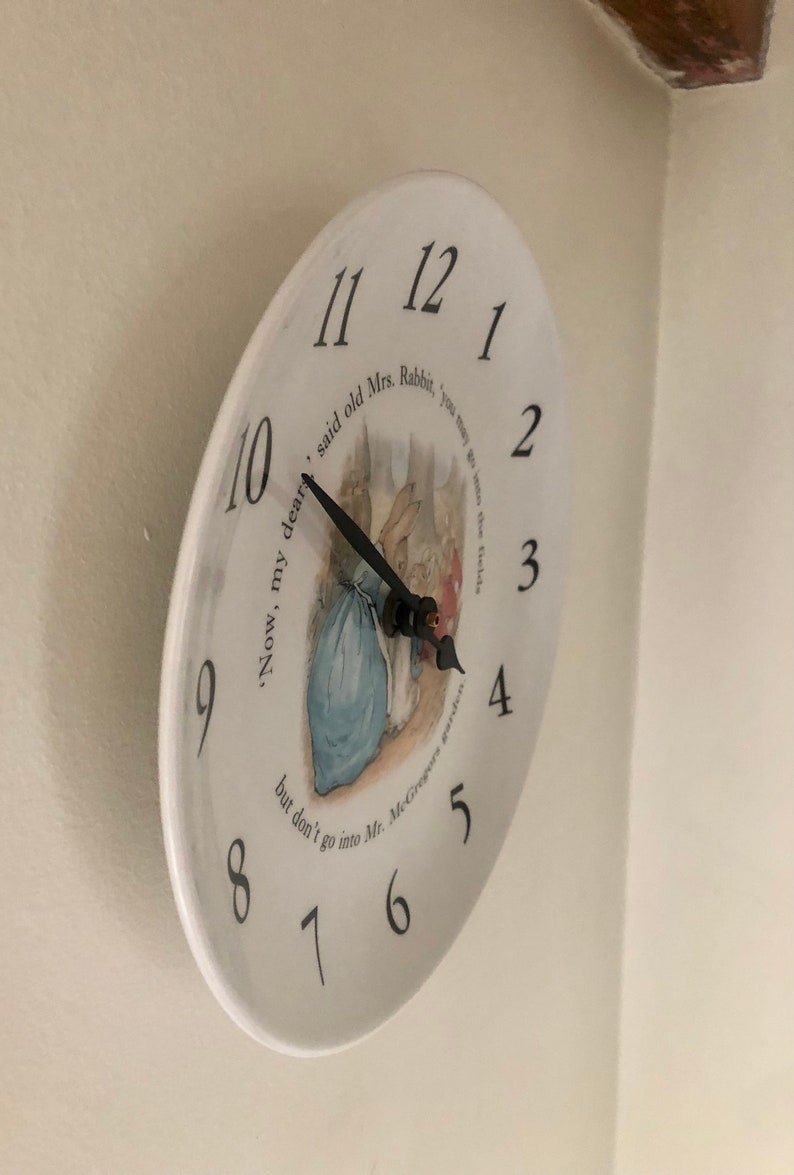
column 343, row 741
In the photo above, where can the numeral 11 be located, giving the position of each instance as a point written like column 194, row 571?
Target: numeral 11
column 341, row 341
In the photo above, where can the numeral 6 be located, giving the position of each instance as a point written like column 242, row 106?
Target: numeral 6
column 391, row 904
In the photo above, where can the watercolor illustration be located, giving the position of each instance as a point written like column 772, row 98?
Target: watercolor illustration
column 370, row 699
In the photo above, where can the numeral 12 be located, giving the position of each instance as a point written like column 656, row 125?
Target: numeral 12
column 429, row 306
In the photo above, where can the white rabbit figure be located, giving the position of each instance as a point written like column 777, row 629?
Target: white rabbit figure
column 406, row 666
column 404, row 694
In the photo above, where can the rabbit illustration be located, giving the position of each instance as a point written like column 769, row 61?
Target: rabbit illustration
column 397, row 527
column 406, row 667
column 404, row 693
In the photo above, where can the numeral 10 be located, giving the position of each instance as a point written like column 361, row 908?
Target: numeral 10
column 253, row 492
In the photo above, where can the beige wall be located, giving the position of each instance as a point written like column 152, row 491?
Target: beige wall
column 707, row 1064
column 164, row 164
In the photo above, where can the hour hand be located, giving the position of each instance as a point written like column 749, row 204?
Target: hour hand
column 446, row 657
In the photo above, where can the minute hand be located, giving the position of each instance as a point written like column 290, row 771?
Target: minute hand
column 446, row 656
column 362, row 545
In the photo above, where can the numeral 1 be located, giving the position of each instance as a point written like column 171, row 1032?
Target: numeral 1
column 431, row 307
column 312, row 917
column 354, row 279
column 497, row 315
column 499, row 695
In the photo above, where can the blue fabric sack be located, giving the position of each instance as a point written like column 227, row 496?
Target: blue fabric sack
column 347, row 696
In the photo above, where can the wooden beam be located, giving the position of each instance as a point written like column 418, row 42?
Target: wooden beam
column 698, row 42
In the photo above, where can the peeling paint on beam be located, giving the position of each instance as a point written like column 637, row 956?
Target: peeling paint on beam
column 693, row 43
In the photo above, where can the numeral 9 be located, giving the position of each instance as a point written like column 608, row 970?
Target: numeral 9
column 202, row 706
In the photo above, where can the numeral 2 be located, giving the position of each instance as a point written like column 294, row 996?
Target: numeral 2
column 431, row 307
column 522, row 449
column 239, row 881
column 354, row 280
column 201, row 706
column 312, row 917
column 252, row 495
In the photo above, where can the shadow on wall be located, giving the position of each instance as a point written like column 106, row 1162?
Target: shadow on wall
column 118, row 528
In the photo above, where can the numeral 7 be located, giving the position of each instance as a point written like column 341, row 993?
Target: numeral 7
column 312, row 917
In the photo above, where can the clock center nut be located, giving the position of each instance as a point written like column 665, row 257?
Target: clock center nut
column 398, row 617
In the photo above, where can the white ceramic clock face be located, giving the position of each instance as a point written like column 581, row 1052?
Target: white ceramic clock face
column 332, row 801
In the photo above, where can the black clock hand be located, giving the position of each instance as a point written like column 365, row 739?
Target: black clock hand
column 446, row 657
column 417, row 611
column 362, row 545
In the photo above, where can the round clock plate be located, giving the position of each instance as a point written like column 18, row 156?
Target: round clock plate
column 332, row 801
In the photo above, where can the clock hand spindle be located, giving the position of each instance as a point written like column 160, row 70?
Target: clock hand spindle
column 420, row 614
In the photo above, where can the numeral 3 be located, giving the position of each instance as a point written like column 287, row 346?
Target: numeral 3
column 530, row 562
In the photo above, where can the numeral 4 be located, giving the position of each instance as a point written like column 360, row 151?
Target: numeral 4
column 499, row 695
